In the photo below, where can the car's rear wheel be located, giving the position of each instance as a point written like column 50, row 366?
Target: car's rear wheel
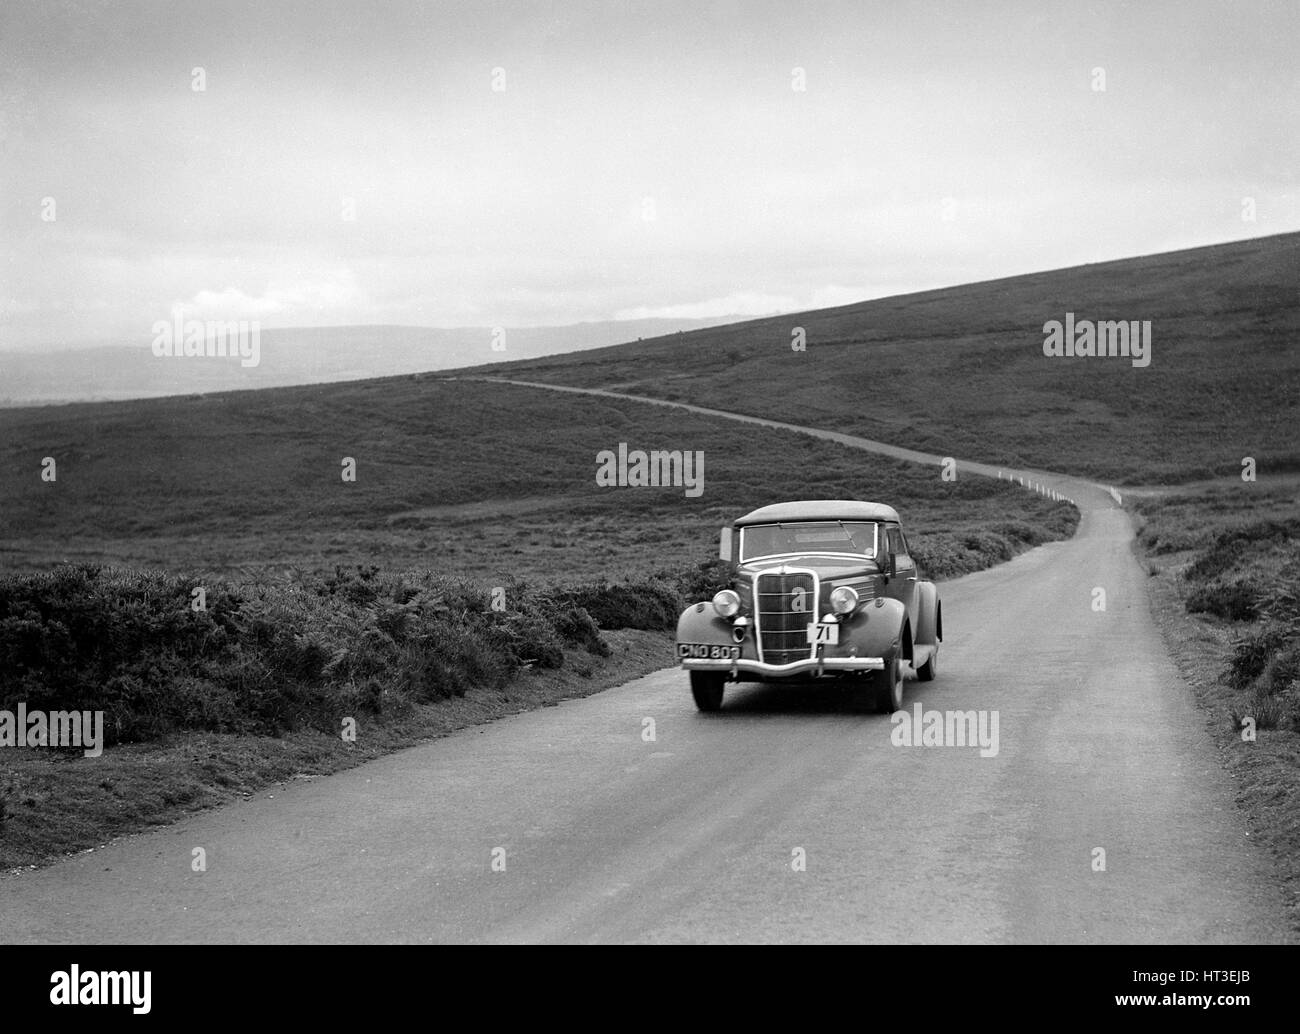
column 926, row 672
column 889, row 686
column 707, row 688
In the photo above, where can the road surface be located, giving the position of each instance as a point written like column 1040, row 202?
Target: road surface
column 790, row 816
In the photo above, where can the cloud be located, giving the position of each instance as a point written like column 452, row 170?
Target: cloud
column 336, row 291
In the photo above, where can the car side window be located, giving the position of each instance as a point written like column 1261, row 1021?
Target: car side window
column 896, row 543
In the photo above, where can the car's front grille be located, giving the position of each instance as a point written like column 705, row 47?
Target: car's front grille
column 784, row 604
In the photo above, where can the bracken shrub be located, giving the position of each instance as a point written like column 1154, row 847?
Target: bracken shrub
column 577, row 626
column 1236, row 600
column 1253, row 652
column 649, row 604
column 1266, row 710
column 943, row 555
column 266, row 658
column 1223, row 556
column 1281, row 672
column 701, row 582
column 1230, row 548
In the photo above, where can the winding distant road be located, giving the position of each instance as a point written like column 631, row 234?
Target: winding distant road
column 698, row 834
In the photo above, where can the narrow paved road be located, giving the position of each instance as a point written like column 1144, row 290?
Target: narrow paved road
column 695, row 836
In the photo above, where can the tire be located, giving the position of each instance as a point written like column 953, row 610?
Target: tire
column 889, row 686
column 926, row 672
column 707, row 688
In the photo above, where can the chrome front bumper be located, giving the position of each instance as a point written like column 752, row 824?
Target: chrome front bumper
column 811, row 666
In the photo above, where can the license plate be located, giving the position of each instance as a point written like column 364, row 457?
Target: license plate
column 706, row 652
column 822, row 633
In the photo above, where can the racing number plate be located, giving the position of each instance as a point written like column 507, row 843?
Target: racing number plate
column 712, row 653
column 822, row 633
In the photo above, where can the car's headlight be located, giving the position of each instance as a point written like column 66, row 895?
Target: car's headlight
column 844, row 599
column 726, row 603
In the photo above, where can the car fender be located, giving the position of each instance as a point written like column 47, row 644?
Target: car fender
column 701, row 624
column 875, row 627
column 929, row 615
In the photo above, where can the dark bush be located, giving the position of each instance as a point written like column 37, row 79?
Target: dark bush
column 1221, row 557
column 942, row 555
column 1230, row 547
column 1282, row 671
column 264, row 659
column 1234, row 601
column 650, row 604
column 700, row 583
column 577, row 626
column 531, row 638
column 1253, row 651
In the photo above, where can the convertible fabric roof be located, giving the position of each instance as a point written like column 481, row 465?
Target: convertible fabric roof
column 819, row 510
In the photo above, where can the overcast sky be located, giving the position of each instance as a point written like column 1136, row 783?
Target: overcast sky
column 647, row 159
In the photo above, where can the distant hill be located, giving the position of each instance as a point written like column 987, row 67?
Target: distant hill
column 297, row 356
column 961, row 371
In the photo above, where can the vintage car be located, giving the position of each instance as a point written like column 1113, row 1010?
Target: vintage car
column 821, row 589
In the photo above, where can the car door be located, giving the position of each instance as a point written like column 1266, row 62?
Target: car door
column 904, row 585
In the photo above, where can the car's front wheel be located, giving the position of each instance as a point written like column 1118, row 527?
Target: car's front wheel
column 889, row 686
column 707, row 688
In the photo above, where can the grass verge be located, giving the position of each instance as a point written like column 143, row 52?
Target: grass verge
column 1225, row 573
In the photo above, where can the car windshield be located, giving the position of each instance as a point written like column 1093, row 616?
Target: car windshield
column 855, row 537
